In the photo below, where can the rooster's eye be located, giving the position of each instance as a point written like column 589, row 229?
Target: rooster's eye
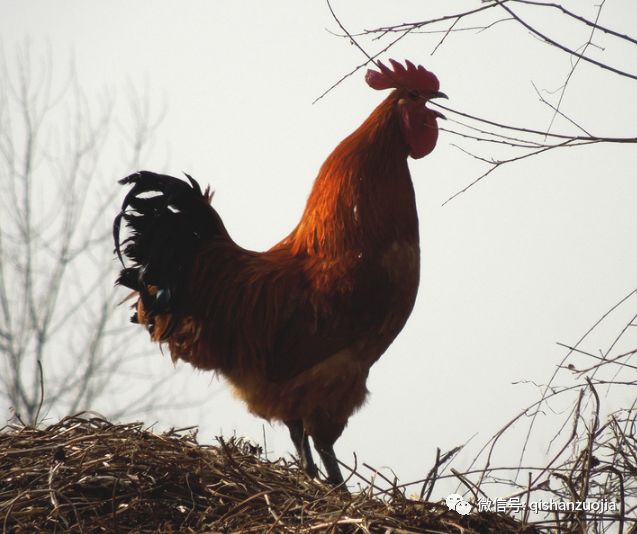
column 413, row 95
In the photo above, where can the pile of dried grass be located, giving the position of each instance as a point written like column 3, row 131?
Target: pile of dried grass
column 87, row 475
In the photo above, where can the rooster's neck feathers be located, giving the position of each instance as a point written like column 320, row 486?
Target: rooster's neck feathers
column 363, row 198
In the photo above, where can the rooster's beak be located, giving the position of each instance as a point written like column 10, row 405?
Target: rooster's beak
column 438, row 94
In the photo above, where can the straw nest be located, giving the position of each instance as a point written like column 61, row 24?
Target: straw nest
column 87, row 475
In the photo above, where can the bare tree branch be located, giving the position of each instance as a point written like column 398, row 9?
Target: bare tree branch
column 59, row 334
column 534, row 140
column 564, row 48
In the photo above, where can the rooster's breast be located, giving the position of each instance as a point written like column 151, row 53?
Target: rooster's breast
column 390, row 293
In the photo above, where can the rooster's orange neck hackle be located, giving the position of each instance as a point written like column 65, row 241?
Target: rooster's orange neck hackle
column 363, row 198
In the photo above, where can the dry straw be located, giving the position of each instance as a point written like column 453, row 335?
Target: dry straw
column 87, row 475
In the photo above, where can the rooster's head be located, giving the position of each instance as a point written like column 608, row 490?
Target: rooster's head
column 415, row 86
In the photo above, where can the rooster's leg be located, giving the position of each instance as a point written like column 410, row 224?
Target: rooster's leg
column 326, row 452
column 302, row 444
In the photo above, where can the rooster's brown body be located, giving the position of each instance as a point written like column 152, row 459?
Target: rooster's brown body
column 294, row 329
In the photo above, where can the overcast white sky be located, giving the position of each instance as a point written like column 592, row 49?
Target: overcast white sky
column 532, row 255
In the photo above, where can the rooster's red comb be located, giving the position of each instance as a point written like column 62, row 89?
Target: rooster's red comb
column 411, row 78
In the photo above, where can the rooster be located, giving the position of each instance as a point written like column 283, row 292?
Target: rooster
column 294, row 329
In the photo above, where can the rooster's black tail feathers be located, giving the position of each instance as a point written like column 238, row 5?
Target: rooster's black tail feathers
column 167, row 220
